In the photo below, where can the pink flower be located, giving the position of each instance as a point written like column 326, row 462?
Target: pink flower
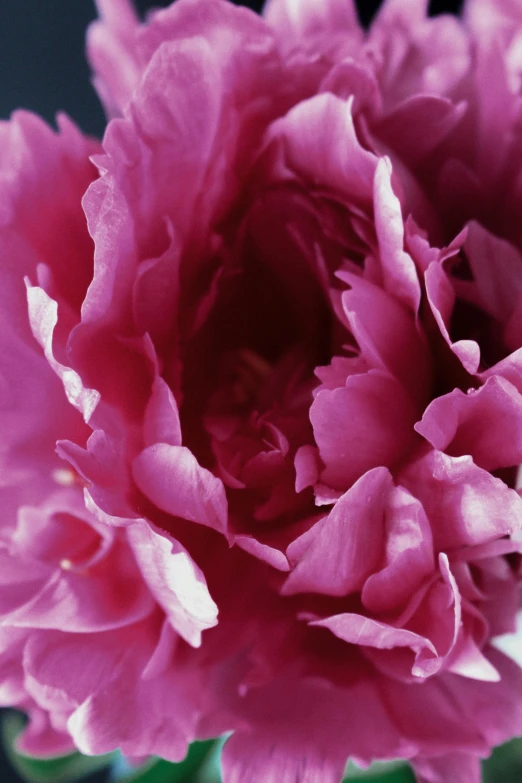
column 259, row 466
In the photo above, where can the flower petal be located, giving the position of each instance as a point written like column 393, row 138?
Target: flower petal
column 344, row 548
column 171, row 477
column 485, row 423
column 174, row 580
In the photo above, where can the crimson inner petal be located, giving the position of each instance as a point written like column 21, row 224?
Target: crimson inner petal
column 247, row 386
column 272, row 308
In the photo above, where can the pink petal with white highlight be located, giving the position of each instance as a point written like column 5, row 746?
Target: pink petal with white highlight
column 174, row 580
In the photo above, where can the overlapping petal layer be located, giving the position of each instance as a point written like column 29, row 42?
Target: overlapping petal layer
column 261, row 392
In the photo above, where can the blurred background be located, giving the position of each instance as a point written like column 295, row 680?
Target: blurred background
column 42, row 68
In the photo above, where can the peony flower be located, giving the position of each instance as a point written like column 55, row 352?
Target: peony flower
column 262, row 392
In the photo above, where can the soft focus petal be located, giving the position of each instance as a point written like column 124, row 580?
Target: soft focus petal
column 112, row 54
column 153, row 717
column 461, row 768
column 297, row 21
column 72, row 601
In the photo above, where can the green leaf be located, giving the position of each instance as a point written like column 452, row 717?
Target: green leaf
column 391, row 772
column 161, row 771
column 505, row 764
column 210, row 770
column 62, row 769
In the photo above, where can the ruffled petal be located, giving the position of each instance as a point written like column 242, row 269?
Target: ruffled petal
column 366, row 424
column 174, row 580
column 171, row 477
column 485, row 423
column 341, row 551
column 465, row 504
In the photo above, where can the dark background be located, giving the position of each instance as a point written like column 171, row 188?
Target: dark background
column 42, row 64
column 42, row 68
